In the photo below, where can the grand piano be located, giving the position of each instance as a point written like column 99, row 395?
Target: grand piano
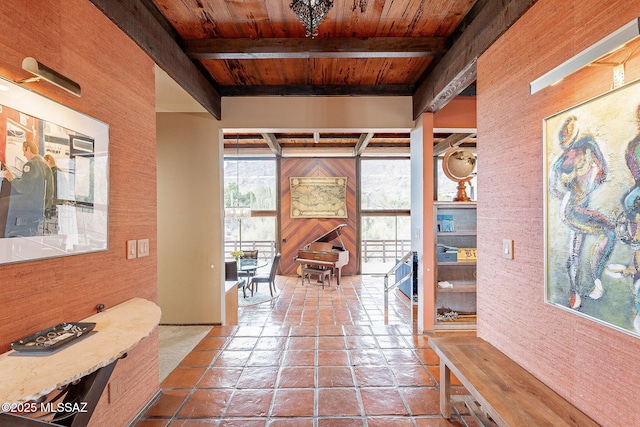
column 321, row 252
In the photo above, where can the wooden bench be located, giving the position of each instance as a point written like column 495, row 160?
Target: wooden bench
column 502, row 392
column 323, row 274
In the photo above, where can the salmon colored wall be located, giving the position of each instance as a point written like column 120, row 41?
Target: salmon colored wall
column 117, row 82
column 460, row 112
column 593, row 366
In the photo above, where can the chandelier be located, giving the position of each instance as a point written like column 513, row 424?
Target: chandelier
column 311, row 13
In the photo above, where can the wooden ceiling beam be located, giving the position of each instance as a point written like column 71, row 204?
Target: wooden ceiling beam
column 362, row 143
column 453, row 140
column 296, row 48
column 272, row 142
column 318, row 90
column 457, row 68
column 140, row 20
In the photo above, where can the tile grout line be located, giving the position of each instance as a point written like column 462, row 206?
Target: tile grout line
column 193, row 389
column 316, row 380
column 348, row 303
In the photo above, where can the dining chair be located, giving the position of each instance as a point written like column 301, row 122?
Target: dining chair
column 253, row 254
column 231, row 273
column 266, row 278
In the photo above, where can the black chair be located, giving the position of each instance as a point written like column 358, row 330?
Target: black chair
column 266, row 278
column 231, row 273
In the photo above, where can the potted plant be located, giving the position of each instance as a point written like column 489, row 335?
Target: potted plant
column 236, row 255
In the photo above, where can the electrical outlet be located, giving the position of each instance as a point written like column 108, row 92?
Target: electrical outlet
column 143, row 248
column 132, row 249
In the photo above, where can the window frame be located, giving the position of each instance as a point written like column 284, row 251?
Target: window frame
column 374, row 212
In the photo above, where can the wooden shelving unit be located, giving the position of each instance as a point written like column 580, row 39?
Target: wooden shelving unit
column 461, row 298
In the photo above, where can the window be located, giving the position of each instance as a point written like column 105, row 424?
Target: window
column 385, row 238
column 251, row 233
column 385, row 184
column 385, row 197
column 251, row 183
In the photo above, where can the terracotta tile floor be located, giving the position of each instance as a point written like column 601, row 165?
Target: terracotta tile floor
column 314, row 357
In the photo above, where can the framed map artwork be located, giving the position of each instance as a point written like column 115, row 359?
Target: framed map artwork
column 318, row 197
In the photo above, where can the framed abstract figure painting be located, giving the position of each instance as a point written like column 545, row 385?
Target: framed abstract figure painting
column 592, row 209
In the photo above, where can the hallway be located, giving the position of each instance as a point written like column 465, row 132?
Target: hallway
column 313, row 357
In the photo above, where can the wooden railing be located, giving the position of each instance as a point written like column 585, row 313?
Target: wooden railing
column 266, row 248
column 384, row 250
column 372, row 250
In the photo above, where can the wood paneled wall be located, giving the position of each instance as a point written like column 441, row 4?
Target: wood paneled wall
column 295, row 233
column 118, row 88
column 593, row 366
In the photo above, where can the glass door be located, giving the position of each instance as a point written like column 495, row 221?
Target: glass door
column 385, row 239
column 385, row 203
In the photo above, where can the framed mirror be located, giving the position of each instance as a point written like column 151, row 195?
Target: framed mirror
column 54, row 181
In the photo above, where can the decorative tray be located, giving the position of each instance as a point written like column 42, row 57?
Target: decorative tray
column 52, row 338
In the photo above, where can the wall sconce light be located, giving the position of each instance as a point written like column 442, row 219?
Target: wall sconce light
column 42, row 72
column 608, row 44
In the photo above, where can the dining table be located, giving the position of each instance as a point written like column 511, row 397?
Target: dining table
column 249, row 266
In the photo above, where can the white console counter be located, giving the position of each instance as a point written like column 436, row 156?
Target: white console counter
column 28, row 376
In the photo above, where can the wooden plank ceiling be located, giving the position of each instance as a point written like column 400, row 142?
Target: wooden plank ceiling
column 344, row 144
column 426, row 49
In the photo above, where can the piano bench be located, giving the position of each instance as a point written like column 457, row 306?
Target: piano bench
column 307, row 272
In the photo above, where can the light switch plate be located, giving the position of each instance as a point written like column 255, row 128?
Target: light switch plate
column 131, row 249
column 507, row 248
column 143, row 248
